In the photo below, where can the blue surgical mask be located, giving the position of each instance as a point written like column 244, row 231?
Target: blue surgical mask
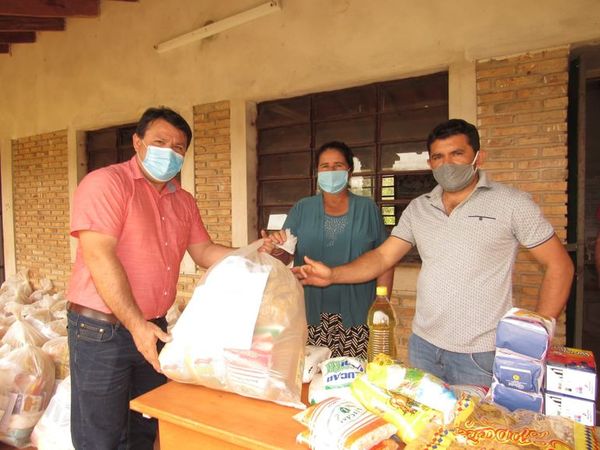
column 332, row 181
column 161, row 163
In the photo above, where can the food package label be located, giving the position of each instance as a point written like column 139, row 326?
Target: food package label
column 517, row 372
column 577, row 409
column 572, row 372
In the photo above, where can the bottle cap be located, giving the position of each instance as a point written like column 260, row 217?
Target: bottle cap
column 381, row 291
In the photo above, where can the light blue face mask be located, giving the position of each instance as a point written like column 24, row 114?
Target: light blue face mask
column 332, row 181
column 161, row 163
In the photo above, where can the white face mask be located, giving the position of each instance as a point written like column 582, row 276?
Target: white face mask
column 455, row 177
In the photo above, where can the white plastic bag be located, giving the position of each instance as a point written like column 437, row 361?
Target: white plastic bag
column 21, row 332
column 16, row 288
column 207, row 349
column 26, row 384
column 53, row 431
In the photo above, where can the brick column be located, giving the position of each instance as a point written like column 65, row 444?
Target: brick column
column 522, row 112
column 41, row 207
column 212, row 174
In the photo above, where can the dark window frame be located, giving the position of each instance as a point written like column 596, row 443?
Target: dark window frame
column 302, row 111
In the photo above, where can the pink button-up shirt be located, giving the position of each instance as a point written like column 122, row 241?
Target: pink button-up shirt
column 153, row 231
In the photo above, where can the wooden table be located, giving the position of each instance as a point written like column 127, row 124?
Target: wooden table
column 195, row 417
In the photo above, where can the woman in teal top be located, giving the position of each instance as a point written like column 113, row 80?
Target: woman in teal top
column 335, row 227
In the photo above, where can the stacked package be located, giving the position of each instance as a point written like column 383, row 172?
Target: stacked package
column 522, row 342
column 571, row 384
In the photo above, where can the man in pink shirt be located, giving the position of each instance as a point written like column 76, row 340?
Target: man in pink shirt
column 134, row 224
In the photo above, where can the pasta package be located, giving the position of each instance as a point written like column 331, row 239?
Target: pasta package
column 413, row 383
column 411, row 418
column 246, row 337
column 342, row 425
column 493, row 427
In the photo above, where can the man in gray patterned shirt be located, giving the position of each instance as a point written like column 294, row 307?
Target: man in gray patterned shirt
column 468, row 230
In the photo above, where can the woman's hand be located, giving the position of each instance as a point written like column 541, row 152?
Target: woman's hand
column 270, row 241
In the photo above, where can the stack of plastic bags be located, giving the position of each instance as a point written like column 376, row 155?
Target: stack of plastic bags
column 33, row 355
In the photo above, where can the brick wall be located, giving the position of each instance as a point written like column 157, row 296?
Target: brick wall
column 212, row 174
column 522, row 117
column 41, row 207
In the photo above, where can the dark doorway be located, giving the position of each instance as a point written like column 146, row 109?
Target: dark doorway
column 109, row 146
column 583, row 313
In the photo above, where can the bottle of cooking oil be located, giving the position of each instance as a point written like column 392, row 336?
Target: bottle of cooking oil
column 381, row 322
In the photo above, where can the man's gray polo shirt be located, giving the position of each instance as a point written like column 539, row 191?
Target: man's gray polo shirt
column 465, row 283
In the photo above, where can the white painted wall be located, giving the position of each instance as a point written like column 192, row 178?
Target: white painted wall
column 105, row 71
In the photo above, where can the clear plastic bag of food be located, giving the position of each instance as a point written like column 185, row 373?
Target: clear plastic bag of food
column 16, row 288
column 21, row 332
column 45, row 288
column 58, row 350
column 26, row 385
column 53, row 430
column 342, row 424
column 243, row 331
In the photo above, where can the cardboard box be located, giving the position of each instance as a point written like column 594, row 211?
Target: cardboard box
column 577, row 409
column 572, row 372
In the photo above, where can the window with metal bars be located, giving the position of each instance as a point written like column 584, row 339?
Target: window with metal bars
column 386, row 125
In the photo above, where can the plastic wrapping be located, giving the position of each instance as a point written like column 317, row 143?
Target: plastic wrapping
column 22, row 333
column 411, row 418
column 269, row 364
column 58, row 350
column 59, row 309
column 493, row 427
column 26, row 385
column 414, row 384
column 313, row 356
column 16, row 288
column 341, row 424
column 337, row 374
column 45, row 288
column 53, row 431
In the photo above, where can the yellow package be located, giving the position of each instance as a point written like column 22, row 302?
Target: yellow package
column 493, row 427
column 410, row 417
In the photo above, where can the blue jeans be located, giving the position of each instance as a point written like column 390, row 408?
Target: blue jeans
column 452, row 367
column 107, row 371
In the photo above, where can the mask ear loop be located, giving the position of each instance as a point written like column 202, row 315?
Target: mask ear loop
column 475, row 159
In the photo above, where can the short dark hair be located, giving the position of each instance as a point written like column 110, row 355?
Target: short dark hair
column 167, row 114
column 453, row 127
column 340, row 147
